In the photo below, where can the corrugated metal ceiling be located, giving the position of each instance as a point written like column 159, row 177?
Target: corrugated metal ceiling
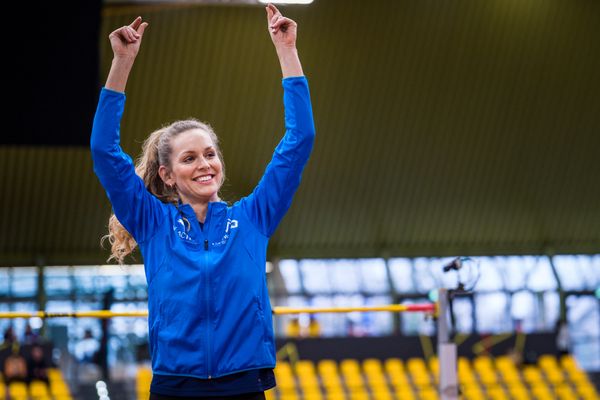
column 444, row 128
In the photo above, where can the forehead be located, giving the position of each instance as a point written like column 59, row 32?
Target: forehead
column 191, row 140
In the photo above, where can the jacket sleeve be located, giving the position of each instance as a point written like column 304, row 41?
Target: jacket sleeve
column 272, row 197
column 136, row 209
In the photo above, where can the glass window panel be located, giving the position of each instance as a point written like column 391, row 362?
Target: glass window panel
column 492, row 313
column 137, row 275
column 424, row 279
column 114, row 277
column 85, row 279
column 463, row 314
column 569, row 272
column 349, row 324
column 374, row 275
column 514, row 272
column 344, row 275
column 402, row 276
column 541, row 277
column 60, row 306
column 589, row 271
column 330, row 324
column 551, row 310
column 24, row 281
column 379, row 323
column 4, row 281
column 125, row 326
column 18, row 324
column 490, row 277
column 584, row 330
column 595, row 267
column 57, row 280
column 314, row 276
column 523, row 311
column 291, row 275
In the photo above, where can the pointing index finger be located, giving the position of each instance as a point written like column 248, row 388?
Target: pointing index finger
column 274, row 9
column 136, row 23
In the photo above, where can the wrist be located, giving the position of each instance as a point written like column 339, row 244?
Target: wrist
column 123, row 61
column 285, row 51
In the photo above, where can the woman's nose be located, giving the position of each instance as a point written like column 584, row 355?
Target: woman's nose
column 203, row 163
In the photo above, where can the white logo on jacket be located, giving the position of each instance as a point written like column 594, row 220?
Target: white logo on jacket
column 231, row 223
column 181, row 231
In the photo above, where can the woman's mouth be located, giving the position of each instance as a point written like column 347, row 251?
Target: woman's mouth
column 204, row 179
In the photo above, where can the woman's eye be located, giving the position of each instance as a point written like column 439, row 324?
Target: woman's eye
column 210, row 155
column 188, row 159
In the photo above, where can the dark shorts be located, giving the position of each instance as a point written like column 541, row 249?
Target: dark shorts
column 248, row 396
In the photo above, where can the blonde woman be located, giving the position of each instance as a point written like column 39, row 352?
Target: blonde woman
column 211, row 332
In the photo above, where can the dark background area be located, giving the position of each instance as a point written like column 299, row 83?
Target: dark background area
column 52, row 72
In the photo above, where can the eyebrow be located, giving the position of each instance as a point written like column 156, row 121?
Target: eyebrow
column 193, row 151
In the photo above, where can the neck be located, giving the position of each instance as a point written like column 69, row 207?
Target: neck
column 200, row 207
column 200, row 210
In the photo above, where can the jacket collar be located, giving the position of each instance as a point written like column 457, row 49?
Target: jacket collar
column 213, row 207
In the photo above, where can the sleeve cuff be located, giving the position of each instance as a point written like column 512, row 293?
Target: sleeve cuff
column 110, row 91
column 294, row 78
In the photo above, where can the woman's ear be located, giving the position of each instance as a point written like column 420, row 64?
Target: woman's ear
column 166, row 175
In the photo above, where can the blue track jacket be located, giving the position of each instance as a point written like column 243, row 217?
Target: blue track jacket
column 209, row 309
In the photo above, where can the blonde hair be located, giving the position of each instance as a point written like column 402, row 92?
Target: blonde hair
column 156, row 151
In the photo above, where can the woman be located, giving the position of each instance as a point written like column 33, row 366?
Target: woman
column 211, row 332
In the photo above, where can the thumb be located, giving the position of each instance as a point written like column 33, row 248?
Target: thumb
column 142, row 28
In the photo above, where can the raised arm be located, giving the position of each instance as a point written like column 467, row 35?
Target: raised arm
column 135, row 208
column 283, row 34
column 125, row 42
column 272, row 197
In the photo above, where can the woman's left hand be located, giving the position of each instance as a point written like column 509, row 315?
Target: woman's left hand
column 282, row 30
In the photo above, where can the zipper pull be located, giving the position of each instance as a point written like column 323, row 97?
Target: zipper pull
column 205, row 244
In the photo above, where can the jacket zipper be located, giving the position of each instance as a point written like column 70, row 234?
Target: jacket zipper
column 207, row 295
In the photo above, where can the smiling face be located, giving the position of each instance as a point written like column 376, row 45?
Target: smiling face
column 195, row 167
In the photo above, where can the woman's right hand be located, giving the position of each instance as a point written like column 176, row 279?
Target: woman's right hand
column 126, row 40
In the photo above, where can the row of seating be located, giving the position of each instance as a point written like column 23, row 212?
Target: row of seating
column 372, row 379
column 482, row 378
column 38, row 390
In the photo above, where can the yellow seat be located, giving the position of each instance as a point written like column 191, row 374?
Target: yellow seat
column 350, row 370
column 59, row 388
column 38, row 389
column 270, row 394
column 394, row 368
column 532, row 375
column 405, row 394
column 143, row 380
column 418, row 372
column 565, row 392
column 359, row 395
column 372, row 364
column 336, row 396
column 473, row 393
column 587, row 391
column 541, row 392
column 382, row 395
column 17, row 389
column 428, row 394
column 497, row 393
column 519, row 392
column 289, row 396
